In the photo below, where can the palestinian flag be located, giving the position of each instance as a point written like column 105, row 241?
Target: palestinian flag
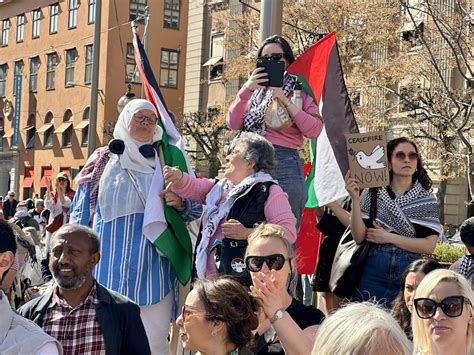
column 319, row 71
column 174, row 242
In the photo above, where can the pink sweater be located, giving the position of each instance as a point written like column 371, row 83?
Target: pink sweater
column 304, row 123
column 277, row 211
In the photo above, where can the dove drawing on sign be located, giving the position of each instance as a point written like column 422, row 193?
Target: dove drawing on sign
column 369, row 162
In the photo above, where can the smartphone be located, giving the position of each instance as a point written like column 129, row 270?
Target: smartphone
column 274, row 69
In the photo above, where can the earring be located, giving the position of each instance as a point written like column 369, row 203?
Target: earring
column 213, row 333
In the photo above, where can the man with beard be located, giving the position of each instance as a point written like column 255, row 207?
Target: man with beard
column 81, row 314
column 17, row 334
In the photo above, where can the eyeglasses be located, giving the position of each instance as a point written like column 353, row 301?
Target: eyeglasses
column 187, row 312
column 273, row 56
column 142, row 118
column 402, row 156
column 274, row 262
column 452, row 306
column 61, row 179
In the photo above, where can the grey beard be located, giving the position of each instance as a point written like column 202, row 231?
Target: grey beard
column 71, row 284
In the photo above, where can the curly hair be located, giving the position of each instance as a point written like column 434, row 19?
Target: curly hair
column 226, row 300
column 399, row 308
column 257, row 149
column 420, row 174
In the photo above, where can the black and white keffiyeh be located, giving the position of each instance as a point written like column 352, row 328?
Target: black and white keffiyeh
column 219, row 201
column 417, row 206
column 466, row 268
column 254, row 118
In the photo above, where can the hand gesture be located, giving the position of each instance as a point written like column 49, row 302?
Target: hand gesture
column 277, row 93
column 271, row 293
column 256, row 79
column 173, row 177
column 377, row 235
column 235, row 230
column 352, row 186
column 172, row 200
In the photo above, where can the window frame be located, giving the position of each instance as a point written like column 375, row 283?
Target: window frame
column 168, row 6
column 34, row 73
column 17, row 70
column 6, row 24
column 129, row 63
column 73, row 6
column 3, row 78
column 36, row 21
column 91, row 8
column 30, row 133
column 168, row 67
column 20, row 28
column 53, row 18
column 136, row 10
column 70, row 66
column 51, row 70
column 88, row 63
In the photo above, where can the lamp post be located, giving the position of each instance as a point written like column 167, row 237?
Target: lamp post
column 125, row 99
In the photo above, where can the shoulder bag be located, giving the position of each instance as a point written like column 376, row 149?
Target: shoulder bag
column 350, row 258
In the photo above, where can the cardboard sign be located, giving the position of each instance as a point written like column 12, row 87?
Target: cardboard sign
column 367, row 153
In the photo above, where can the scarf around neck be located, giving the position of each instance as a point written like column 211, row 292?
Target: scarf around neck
column 417, row 206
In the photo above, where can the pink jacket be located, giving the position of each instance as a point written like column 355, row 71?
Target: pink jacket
column 277, row 211
column 304, row 123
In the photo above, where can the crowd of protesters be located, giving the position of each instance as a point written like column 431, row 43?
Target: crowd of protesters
column 81, row 273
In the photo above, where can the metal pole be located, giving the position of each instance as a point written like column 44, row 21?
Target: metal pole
column 95, row 80
column 271, row 14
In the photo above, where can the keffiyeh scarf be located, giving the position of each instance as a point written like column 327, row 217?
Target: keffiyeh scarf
column 219, row 201
column 466, row 268
column 417, row 206
column 254, row 118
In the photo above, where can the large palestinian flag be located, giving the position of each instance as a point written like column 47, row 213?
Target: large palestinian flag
column 173, row 240
column 319, row 70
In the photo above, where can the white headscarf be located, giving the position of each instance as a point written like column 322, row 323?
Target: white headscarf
column 131, row 157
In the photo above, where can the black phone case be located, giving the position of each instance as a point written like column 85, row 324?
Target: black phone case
column 274, row 69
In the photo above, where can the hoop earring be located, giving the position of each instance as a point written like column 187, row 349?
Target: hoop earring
column 213, row 333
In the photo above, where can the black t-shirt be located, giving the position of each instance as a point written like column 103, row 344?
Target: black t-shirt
column 304, row 316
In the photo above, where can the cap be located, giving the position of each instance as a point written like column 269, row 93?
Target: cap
column 63, row 175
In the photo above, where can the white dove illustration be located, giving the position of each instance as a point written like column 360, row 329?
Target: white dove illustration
column 369, row 162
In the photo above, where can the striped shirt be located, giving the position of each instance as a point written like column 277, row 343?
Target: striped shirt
column 129, row 264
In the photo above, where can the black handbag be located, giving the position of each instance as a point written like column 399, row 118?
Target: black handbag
column 231, row 260
column 350, row 258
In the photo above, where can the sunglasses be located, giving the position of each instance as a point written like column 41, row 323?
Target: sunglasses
column 148, row 119
column 62, row 179
column 273, row 56
column 402, row 156
column 187, row 312
column 452, row 306
column 274, row 262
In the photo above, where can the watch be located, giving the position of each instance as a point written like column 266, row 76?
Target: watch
column 278, row 315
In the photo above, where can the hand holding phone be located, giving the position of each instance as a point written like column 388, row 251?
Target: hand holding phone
column 256, row 79
column 274, row 69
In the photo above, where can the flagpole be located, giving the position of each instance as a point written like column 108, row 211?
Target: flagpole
column 95, row 81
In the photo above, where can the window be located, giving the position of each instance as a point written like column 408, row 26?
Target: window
column 88, row 64
column 30, row 131
column 35, row 32
column 48, row 138
column 171, row 14
column 34, row 66
column 137, row 10
column 131, row 75
column 20, row 27
column 85, row 136
column 217, row 52
column 86, row 113
column 53, row 18
column 67, row 137
column 67, row 115
column 414, row 35
column 90, row 11
column 51, row 71
column 169, row 68
column 72, row 16
column 18, row 71
column 71, row 55
column 5, row 29
column 3, row 79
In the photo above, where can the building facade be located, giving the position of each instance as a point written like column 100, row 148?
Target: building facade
column 46, row 63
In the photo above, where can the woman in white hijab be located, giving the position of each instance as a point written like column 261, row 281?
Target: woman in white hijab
column 118, row 195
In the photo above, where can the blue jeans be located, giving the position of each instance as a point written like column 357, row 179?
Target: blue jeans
column 289, row 173
column 382, row 273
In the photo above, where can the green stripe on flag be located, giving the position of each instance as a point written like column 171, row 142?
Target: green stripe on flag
column 312, row 201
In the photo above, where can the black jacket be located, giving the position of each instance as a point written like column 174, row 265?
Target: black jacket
column 118, row 317
column 9, row 208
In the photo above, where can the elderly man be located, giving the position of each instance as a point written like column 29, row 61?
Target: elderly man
column 17, row 334
column 81, row 314
column 9, row 206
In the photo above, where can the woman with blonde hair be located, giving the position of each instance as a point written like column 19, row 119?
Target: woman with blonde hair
column 361, row 328
column 442, row 323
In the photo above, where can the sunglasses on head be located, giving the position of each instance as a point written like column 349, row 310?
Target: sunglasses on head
column 452, row 306
column 402, row 156
column 274, row 262
column 273, row 56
